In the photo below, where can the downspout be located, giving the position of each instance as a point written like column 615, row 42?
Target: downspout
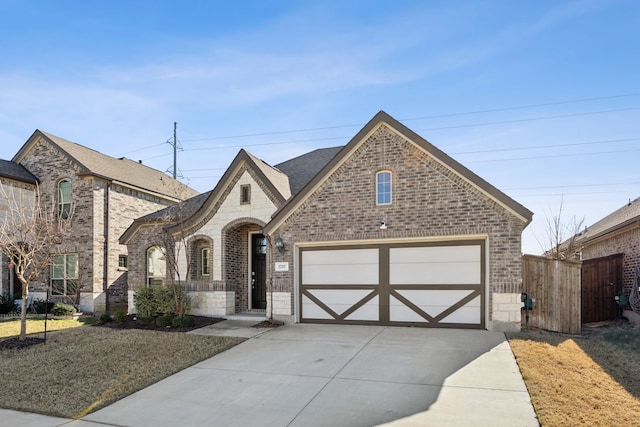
column 105, row 267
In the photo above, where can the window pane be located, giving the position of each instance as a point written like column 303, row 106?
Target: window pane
column 383, row 187
column 58, row 267
column 205, row 261
column 57, row 287
column 72, row 286
column 64, row 188
column 64, row 198
column 72, row 266
column 156, row 262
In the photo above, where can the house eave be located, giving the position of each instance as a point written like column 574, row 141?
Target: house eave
column 611, row 232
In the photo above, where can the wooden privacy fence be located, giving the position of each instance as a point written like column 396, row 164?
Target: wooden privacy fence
column 555, row 287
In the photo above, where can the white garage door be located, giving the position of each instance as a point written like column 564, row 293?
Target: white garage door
column 414, row 284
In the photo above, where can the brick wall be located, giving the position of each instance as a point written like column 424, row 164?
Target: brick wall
column 428, row 200
column 11, row 193
column 102, row 212
column 627, row 243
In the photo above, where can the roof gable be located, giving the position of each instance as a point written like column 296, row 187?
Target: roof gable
column 193, row 212
column 122, row 170
column 380, row 119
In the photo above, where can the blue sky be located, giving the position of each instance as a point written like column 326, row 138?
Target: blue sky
column 540, row 98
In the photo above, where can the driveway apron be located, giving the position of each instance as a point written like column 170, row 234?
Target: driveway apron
column 327, row 375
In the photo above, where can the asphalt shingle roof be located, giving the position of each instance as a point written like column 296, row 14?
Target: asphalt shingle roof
column 16, row 171
column 123, row 170
column 302, row 169
column 625, row 214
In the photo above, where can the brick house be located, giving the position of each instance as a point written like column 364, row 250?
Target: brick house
column 385, row 230
column 617, row 234
column 222, row 231
column 16, row 183
column 105, row 195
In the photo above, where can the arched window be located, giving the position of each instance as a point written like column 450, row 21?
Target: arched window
column 156, row 266
column 383, row 188
column 205, row 261
column 64, row 198
column 200, row 251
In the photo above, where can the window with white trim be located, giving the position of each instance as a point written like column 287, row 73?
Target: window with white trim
column 205, row 262
column 122, row 262
column 156, row 266
column 383, row 188
column 64, row 274
column 64, row 198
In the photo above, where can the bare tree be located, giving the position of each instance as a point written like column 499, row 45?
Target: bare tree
column 30, row 233
column 174, row 239
column 561, row 236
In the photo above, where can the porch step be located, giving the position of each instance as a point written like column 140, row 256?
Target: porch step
column 247, row 316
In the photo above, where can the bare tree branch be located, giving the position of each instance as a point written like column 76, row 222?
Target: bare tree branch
column 30, row 235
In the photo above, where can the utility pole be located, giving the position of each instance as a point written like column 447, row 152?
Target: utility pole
column 175, row 150
column 174, row 143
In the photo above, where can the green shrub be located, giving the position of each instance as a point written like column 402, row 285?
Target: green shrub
column 17, row 295
column 144, row 300
column 151, row 301
column 105, row 318
column 183, row 322
column 163, row 321
column 6, row 305
column 120, row 316
column 41, row 306
column 61, row 309
column 147, row 320
column 165, row 303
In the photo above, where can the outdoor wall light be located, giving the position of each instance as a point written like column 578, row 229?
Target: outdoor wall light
column 383, row 225
column 279, row 244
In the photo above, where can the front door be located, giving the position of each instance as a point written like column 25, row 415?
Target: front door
column 258, row 271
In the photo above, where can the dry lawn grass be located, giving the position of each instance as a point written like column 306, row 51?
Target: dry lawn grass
column 11, row 327
column 590, row 380
column 83, row 369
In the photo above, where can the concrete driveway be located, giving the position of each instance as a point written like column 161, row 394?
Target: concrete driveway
column 317, row 375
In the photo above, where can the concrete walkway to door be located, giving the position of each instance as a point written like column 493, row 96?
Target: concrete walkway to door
column 321, row 375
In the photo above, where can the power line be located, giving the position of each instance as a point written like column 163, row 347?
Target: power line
column 572, row 186
column 493, row 110
column 522, row 196
column 533, row 147
column 553, row 156
column 577, row 144
column 142, row 148
column 419, row 130
column 528, row 119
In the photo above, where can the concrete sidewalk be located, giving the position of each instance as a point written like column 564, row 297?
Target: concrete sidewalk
column 321, row 375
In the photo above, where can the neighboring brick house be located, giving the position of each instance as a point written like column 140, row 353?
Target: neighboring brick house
column 104, row 195
column 16, row 184
column 385, row 230
column 617, row 233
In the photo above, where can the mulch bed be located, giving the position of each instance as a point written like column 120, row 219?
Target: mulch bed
column 15, row 342
column 269, row 323
column 133, row 322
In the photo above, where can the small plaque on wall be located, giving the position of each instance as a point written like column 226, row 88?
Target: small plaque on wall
column 282, row 266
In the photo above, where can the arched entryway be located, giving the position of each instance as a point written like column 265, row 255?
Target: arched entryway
column 244, row 264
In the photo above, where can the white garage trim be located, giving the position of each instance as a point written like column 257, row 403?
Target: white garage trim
column 429, row 284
